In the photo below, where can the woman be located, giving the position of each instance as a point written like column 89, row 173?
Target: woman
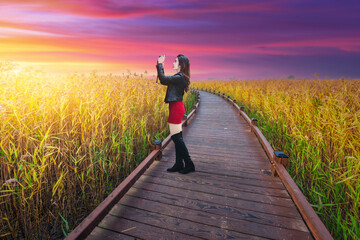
column 177, row 84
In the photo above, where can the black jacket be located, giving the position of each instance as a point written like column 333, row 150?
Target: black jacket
column 176, row 84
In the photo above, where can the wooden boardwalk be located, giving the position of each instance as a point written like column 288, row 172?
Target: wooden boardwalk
column 232, row 194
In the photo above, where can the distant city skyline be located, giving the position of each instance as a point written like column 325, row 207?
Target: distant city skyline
column 224, row 40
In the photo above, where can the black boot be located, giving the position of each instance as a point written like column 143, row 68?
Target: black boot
column 179, row 165
column 189, row 165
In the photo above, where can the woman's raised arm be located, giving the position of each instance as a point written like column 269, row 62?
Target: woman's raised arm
column 174, row 80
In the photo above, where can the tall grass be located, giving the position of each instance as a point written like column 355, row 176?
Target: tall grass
column 67, row 142
column 317, row 123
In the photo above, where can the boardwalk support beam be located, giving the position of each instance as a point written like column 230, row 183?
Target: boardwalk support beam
column 273, row 170
column 254, row 123
column 184, row 119
column 157, row 146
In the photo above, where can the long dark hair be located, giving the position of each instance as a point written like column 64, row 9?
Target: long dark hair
column 184, row 64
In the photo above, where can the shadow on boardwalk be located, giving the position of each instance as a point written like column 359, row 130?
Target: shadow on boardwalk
column 230, row 196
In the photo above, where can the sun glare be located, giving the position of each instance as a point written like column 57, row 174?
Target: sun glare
column 16, row 71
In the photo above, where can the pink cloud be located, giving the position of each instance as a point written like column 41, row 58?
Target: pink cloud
column 121, row 9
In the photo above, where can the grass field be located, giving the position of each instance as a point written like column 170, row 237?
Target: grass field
column 67, row 142
column 317, row 123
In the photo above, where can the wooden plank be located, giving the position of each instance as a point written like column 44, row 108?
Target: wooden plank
column 201, row 135
column 200, row 177
column 135, row 229
column 224, row 163
column 214, row 160
column 234, row 199
column 231, row 163
column 235, row 139
column 220, row 119
column 220, row 133
column 223, row 153
column 229, row 159
column 228, row 163
column 223, row 185
column 90, row 222
column 234, row 157
column 237, row 147
column 220, row 209
column 220, row 157
column 221, row 136
column 236, row 150
column 176, row 224
column 245, row 173
column 100, row 233
column 226, row 222
column 241, row 172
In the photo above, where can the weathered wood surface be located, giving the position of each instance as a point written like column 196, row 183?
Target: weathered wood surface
column 230, row 196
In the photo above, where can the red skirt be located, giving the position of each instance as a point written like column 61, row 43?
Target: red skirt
column 176, row 112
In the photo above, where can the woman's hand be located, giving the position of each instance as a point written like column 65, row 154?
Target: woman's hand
column 161, row 59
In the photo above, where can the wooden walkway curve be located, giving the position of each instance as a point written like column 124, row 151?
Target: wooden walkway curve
column 232, row 194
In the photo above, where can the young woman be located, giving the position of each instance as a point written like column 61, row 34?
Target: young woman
column 176, row 85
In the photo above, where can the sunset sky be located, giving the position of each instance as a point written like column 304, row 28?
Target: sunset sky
column 226, row 39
